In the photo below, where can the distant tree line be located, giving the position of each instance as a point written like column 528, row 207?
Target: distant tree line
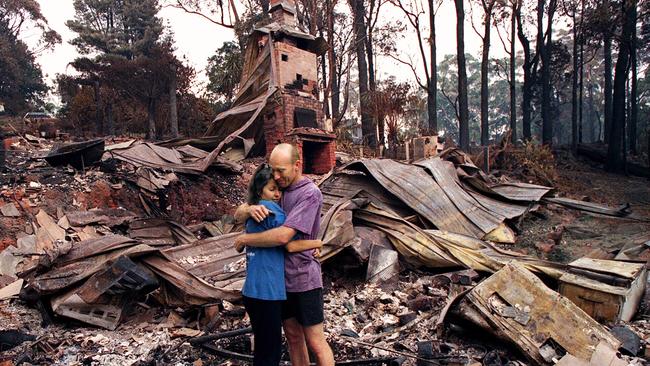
column 575, row 71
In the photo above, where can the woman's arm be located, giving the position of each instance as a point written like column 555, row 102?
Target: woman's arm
column 300, row 245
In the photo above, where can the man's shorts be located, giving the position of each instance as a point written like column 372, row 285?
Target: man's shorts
column 306, row 307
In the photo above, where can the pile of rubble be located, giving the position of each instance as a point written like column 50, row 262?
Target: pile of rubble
column 133, row 237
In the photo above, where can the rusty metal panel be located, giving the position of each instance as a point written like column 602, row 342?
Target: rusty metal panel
column 72, row 273
column 208, row 257
column 445, row 175
column 159, row 231
column 505, row 209
column 517, row 191
column 92, row 247
column 596, row 208
column 421, row 192
column 347, row 184
column 196, row 291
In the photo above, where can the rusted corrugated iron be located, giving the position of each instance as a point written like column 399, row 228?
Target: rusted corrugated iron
column 417, row 189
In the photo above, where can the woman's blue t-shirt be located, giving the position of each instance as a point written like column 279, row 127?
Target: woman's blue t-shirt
column 265, row 266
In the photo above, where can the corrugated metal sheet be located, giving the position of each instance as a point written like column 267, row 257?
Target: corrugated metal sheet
column 433, row 193
column 445, row 175
column 419, row 190
column 441, row 249
column 517, row 191
column 347, row 184
column 596, row 208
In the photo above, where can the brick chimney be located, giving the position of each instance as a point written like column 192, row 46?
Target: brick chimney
column 283, row 12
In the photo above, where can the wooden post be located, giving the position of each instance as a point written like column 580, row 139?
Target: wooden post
column 2, row 151
column 406, row 148
column 486, row 159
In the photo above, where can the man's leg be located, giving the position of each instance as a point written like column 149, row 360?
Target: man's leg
column 317, row 343
column 296, row 342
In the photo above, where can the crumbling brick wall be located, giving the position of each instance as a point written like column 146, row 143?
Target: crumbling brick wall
column 283, row 17
column 292, row 61
column 280, row 120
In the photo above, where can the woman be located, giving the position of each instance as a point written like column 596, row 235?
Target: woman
column 264, row 288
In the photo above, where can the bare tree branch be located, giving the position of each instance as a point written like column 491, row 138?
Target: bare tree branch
column 221, row 22
column 503, row 43
column 410, row 65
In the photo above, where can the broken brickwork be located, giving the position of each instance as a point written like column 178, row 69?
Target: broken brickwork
column 298, row 113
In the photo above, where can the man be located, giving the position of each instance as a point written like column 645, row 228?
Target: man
column 302, row 201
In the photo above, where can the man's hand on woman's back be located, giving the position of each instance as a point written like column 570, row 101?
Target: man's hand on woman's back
column 256, row 212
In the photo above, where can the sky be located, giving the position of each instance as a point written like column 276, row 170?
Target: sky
column 197, row 39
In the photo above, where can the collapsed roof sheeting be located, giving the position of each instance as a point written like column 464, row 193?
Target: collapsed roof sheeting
column 440, row 249
column 416, row 188
column 184, row 159
column 256, row 86
column 444, row 173
column 241, row 122
column 240, row 125
column 432, row 189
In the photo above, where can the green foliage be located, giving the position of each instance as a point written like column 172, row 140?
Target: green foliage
column 225, row 66
column 17, row 16
column 21, row 79
column 448, row 95
column 132, row 70
column 224, row 71
column 119, row 27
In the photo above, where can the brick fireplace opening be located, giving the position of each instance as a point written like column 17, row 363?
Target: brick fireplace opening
column 317, row 149
column 316, row 156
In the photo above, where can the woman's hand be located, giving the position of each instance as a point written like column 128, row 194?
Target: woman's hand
column 239, row 244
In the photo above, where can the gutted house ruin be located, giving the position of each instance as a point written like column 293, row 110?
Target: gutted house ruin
column 278, row 97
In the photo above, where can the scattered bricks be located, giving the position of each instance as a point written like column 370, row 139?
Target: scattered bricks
column 100, row 196
column 6, row 242
column 421, row 303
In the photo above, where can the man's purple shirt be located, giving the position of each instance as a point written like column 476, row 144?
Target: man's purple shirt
column 302, row 203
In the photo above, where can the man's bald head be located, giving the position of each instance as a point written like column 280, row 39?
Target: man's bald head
column 286, row 151
column 286, row 165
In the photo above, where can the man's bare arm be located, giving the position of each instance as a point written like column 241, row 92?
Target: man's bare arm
column 301, row 245
column 269, row 238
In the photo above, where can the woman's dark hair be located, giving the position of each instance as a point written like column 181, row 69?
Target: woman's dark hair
column 261, row 176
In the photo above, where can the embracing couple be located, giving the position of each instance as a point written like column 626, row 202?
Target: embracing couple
column 284, row 285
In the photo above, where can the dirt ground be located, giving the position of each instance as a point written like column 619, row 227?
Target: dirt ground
column 585, row 233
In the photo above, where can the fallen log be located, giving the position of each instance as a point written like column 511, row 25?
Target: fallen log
column 599, row 154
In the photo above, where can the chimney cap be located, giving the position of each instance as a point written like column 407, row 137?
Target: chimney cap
column 287, row 5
